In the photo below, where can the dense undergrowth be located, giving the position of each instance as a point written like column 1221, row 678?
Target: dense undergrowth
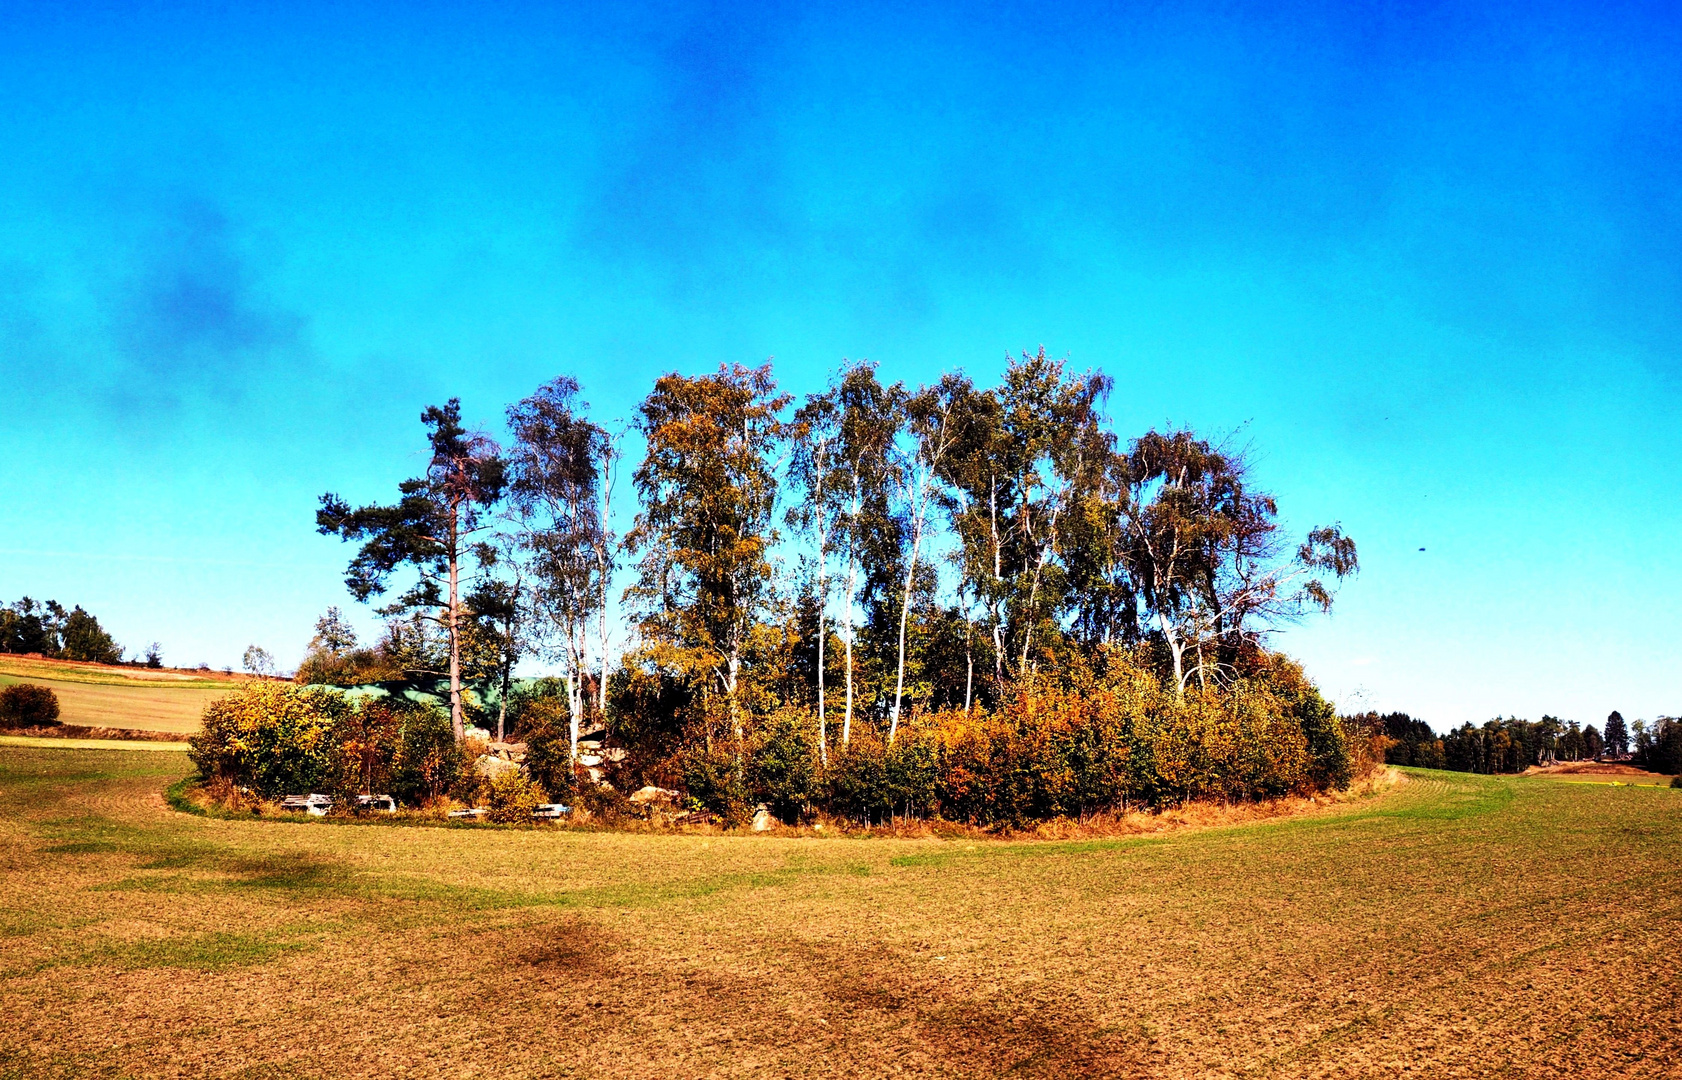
column 1096, row 739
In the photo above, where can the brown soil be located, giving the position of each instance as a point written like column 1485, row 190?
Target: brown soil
column 79, row 731
column 1599, row 770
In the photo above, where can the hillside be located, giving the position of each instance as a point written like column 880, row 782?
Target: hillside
column 103, row 696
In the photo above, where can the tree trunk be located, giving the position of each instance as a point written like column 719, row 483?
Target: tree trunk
column 852, row 587
column 905, row 617
column 735, row 715
column 605, row 569
column 823, row 601
column 969, row 676
column 456, row 723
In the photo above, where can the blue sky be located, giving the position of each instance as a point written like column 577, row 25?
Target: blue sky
column 1425, row 259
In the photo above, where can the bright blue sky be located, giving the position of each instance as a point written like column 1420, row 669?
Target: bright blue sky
column 1428, row 260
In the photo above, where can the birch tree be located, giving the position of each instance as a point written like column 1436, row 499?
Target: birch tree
column 556, row 471
column 1207, row 558
column 708, row 491
column 869, row 466
column 814, row 470
column 930, row 420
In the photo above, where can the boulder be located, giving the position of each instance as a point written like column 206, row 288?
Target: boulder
column 491, row 767
column 651, row 794
column 762, row 819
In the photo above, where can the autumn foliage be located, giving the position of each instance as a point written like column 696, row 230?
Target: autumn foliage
column 1097, row 738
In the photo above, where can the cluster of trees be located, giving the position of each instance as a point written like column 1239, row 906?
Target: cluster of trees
column 867, row 555
column 51, row 631
column 1511, row 745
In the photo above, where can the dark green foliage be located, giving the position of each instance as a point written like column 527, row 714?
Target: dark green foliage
column 1617, row 734
column 47, row 629
column 1510, row 745
column 714, row 779
column 1408, row 741
column 856, row 783
column 783, row 769
column 84, row 639
column 543, row 726
column 1660, row 750
column 26, row 705
column 427, row 762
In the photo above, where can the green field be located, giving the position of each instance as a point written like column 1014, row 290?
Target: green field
column 111, row 697
column 1453, row 926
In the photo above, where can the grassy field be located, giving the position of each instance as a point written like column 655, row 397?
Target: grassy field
column 95, row 696
column 1453, row 926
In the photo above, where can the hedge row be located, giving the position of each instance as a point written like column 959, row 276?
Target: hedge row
column 1084, row 742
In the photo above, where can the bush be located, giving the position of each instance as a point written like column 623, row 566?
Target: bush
column 426, row 762
column 544, row 726
column 713, row 778
column 274, row 738
column 510, row 796
column 26, row 705
column 783, row 768
column 1092, row 738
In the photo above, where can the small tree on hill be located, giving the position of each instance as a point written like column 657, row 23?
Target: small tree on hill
column 429, row 529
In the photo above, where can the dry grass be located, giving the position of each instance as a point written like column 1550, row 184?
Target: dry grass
column 98, row 696
column 1453, row 925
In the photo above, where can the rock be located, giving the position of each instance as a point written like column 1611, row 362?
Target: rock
column 492, row 767
column 762, row 819
column 479, row 733
column 653, row 794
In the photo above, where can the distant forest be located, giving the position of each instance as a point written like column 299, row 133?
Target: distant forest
column 1511, row 745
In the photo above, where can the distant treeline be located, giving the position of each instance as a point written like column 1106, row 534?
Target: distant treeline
column 48, row 629
column 1510, row 745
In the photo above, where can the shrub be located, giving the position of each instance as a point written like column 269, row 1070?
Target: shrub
column 856, row 784
column 1095, row 736
column 510, row 796
column 544, row 728
column 27, row 705
column 426, row 762
column 783, row 768
column 274, row 738
column 713, row 778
